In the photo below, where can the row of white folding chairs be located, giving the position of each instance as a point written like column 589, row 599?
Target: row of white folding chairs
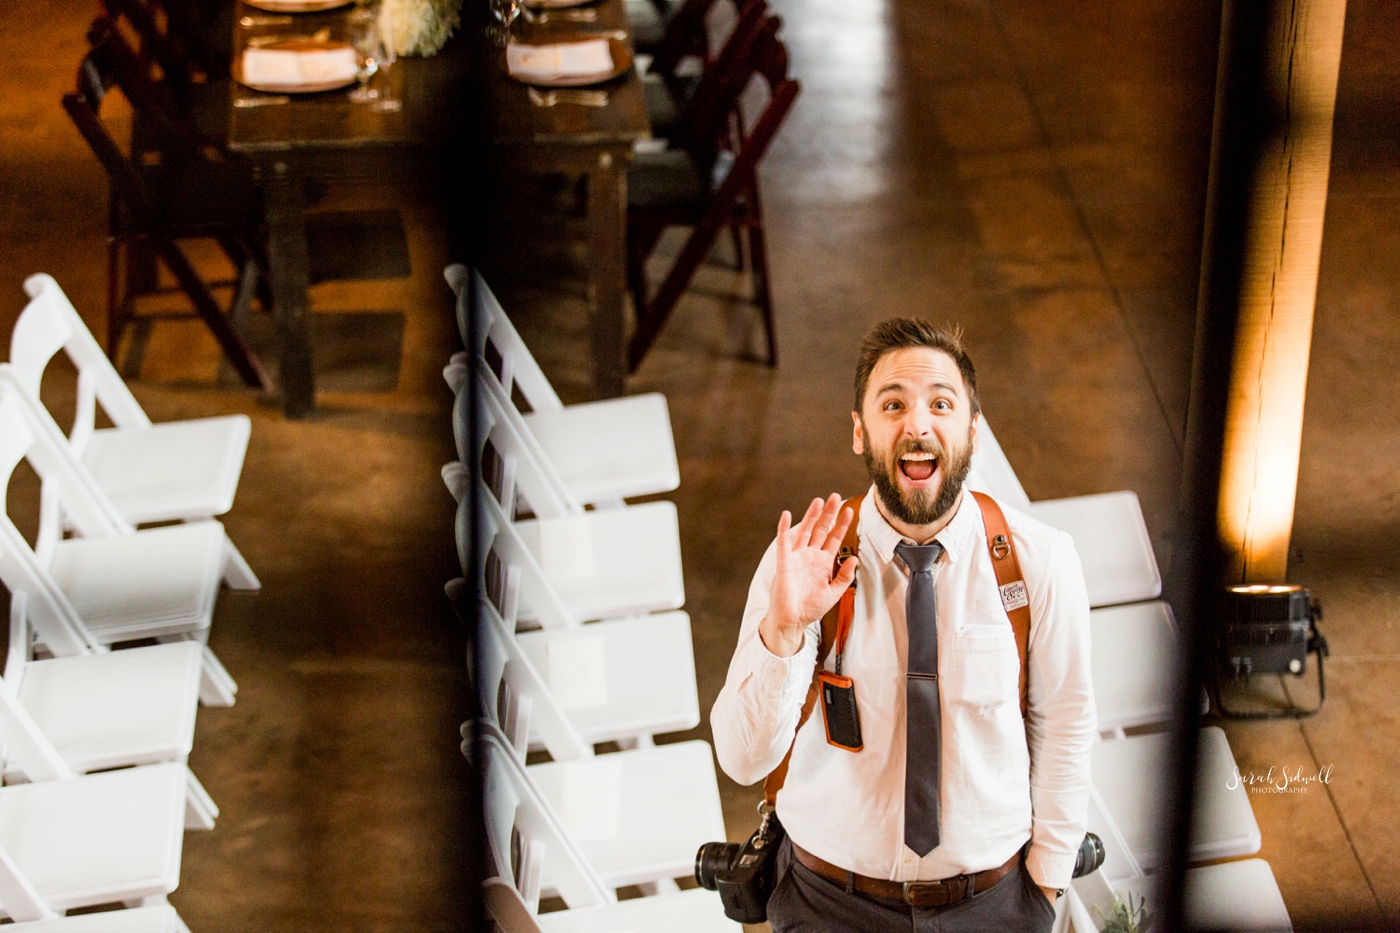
column 624, row 675
column 1136, row 651
column 70, row 838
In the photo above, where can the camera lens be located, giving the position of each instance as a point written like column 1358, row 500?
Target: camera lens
column 1090, row 856
column 713, row 857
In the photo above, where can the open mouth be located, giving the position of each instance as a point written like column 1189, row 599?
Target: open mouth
column 918, row 466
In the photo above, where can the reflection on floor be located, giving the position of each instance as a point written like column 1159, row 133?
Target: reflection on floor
column 1032, row 170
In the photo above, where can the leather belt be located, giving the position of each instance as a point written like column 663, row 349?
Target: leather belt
column 913, row 893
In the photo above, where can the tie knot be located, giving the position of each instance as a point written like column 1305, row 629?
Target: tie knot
column 919, row 558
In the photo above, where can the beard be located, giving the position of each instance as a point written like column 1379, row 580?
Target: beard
column 920, row 506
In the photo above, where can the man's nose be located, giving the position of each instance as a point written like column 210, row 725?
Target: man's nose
column 918, row 422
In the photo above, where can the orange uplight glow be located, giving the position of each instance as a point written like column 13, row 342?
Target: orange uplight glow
column 1264, row 420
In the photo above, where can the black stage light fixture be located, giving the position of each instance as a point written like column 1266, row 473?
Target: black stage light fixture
column 1270, row 629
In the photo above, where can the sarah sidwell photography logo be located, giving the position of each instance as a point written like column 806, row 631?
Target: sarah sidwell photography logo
column 1278, row 780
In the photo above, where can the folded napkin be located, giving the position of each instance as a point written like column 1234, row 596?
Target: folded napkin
column 292, row 67
column 565, row 60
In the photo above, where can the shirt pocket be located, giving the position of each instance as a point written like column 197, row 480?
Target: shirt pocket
column 983, row 667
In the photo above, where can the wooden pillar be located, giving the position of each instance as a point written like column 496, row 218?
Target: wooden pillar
column 1286, row 199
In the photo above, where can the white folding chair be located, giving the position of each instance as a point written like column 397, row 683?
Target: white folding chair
column 1108, row 529
column 100, row 711
column 637, row 816
column 83, row 594
column 1134, row 663
column 1241, row 895
column 1130, row 781
column 620, row 680
column 174, row 471
column 521, row 820
column 599, row 564
column 991, row 471
column 96, row 839
column 160, row 918
column 603, row 451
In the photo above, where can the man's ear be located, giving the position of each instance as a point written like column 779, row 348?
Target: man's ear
column 976, row 421
column 857, row 436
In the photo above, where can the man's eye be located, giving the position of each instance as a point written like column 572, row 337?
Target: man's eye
column 942, row 405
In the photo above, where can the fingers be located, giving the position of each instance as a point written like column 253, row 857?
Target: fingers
column 824, row 521
column 845, row 575
column 809, row 521
column 838, row 532
column 784, row 524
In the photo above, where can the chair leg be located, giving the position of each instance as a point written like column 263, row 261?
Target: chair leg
column 738, row 242
column 659, row 309
column 237, row 574
column 208, row 309
column 758, row 247
column 216, row 687
column 200, row 809
column 115, row 319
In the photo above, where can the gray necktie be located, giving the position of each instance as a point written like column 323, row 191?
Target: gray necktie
column 923, row 714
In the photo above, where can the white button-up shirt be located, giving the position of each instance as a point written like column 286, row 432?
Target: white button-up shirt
column 1003, row 781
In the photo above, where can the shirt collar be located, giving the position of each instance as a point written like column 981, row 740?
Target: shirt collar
column 876, row 531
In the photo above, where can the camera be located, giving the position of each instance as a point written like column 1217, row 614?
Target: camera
column 1090, row 856
column 743, row 875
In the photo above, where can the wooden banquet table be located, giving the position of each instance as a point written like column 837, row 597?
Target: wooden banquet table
column 574, row 139
column 326, row 138
column 465, row 88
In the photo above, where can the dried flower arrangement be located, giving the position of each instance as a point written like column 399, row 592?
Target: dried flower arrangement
column 419, row 27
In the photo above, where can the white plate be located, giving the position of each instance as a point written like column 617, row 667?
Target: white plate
column 297, row 6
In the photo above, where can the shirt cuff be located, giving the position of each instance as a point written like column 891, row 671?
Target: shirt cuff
column 781, row 675
column 1050, row 869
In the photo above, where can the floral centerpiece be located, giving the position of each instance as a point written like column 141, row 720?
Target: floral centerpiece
column 418, row 27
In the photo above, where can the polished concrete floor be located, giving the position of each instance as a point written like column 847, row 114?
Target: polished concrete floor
column 1031, row 170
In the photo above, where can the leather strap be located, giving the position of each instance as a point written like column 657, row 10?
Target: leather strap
column 836, row 625
column 914, row 893
column 1015, row 598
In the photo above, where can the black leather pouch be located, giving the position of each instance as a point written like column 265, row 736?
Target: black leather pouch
column 838, row 696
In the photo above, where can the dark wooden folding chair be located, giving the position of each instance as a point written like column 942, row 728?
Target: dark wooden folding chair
column 167, row 191
column 667, row 86
column 698, row 183
column 196, row 92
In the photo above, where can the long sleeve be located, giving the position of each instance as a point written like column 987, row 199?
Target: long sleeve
column 1062, row 719
column 755, row 716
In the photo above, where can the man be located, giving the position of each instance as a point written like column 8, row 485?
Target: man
column 971, row 795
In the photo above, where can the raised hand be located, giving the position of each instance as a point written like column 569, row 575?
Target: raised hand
column 803, row 588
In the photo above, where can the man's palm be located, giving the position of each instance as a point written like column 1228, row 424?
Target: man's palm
column 803, row 588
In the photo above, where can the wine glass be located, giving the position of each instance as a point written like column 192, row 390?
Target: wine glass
column 505, row 12
column 387, row 102
column 364, row 36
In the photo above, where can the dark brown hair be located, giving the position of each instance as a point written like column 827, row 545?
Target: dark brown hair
column 900, row 333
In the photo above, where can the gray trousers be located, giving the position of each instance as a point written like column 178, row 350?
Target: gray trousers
column 805, row 902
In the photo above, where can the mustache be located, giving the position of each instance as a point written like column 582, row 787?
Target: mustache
column 917, row 447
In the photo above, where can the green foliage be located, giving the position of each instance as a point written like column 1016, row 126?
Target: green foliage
column 1126, row 917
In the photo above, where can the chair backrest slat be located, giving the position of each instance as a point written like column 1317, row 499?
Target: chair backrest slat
column 50, row 322
column 513, row 801
column 519, row 369
column 501, row 536
column 510, row 671
column 50, row 611
column 28, row 748
column 21, row 899
column 526, row 464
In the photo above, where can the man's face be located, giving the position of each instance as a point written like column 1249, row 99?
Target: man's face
column 916, row 433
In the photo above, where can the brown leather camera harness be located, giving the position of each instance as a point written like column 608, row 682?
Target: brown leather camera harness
column 835, row 627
